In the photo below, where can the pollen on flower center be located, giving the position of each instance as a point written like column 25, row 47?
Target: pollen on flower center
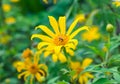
column 33, row 68
column 61, row 40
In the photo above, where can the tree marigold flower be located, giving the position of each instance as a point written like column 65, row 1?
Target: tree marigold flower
column 59, row 39
column 27, row 54
column 91, row 35
column 10, row 20
column 78, row 68
column 6, row 7
column 32, row 69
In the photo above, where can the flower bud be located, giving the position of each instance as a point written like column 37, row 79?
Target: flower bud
column 109, row 28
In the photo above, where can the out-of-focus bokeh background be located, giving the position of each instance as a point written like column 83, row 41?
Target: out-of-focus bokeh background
column 18, row 19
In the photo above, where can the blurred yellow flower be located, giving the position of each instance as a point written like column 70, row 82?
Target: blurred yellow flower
column 33, row 69
column 81, row 17
column 60, row 39
column 4, row 38
column 46, row 1
column 10, row 20
column 19, row 65
column 105, row 49
column 14, row 1
column 27, row 54
column 6, row 7
column 91, row 35
column 116, row 3
column 78, row 68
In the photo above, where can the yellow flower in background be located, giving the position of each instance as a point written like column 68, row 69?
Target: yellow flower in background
column 59, row 39
column 81, row 17
column 46, row 1
column 19, row 65
column 33, row 69
column 78, row 68
column 116, row 3
column 14, row 1
column 10, row 20
column 104, row 49
column 27, row 54
column 4, row 38
column 91, row 35
column 6, row 7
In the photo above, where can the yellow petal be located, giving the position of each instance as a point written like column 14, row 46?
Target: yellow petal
column 81, row 80
column 62, row 58
column 42, row 44
column 75, row 65
column 57, row 49
column 43, row 66
column 85, row 79
column 72, row 26
column 70, row 45
column 38, row 77
column 26, row 75
column 21, row 74
column 42, row 72
column 77, row 31
column 86, row 62
column 54, row 24
column 36, row 59
column 54, row 58
column 46, row 30
column 89, row 75
column 74, row 41
column 47, row 53
column 62, row 24
column 42, row 37
column 70, row 51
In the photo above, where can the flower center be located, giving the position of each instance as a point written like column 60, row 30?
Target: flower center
column 61, row 40
column 33, row 69
column 78, row 70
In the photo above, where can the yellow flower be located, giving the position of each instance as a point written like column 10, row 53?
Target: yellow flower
column 59, row 39
column 33, row 69
column 78, row 68
column 46, row 1
column 116, row 3
column 91, row 35
column 14, row 1
column 4, row 38
column 6, row 7
column 105, row 49
column 10, row 20
column 81, row 17
column 27, row 54
column 19, row 65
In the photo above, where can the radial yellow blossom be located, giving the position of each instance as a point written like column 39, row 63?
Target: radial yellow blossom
column 116, row 3
column 27, row 54
column 14, row 1
column 59, row 39
column 81, row 17
column 33, row 69
column 10, row 20
column 91, row 35
column 46, row 1
column 6, row 7
column 78, row 68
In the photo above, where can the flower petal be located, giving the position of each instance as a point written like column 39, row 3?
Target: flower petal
column 89, row 75
column 77, row 31
column 54, row 58
column 31, row 79
column 46, row 30
column 70, row 51
column 26, row 75
column 57, row 49
column 74, row 41
column 85, row 79
column 54, row 24
column 21, row 74
column 62, row 24
column 42, row 37
column 38, row 77
column 62, row 58
column 47, row 53
column 42, row 44
column 75, row 65
column 72, row 26
column 81, row 80
column 86, row 62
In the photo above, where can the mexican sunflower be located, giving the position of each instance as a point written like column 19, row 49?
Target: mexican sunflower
column 60, row 38
column 32, row 69
column 78, row 68
column 116, row 3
